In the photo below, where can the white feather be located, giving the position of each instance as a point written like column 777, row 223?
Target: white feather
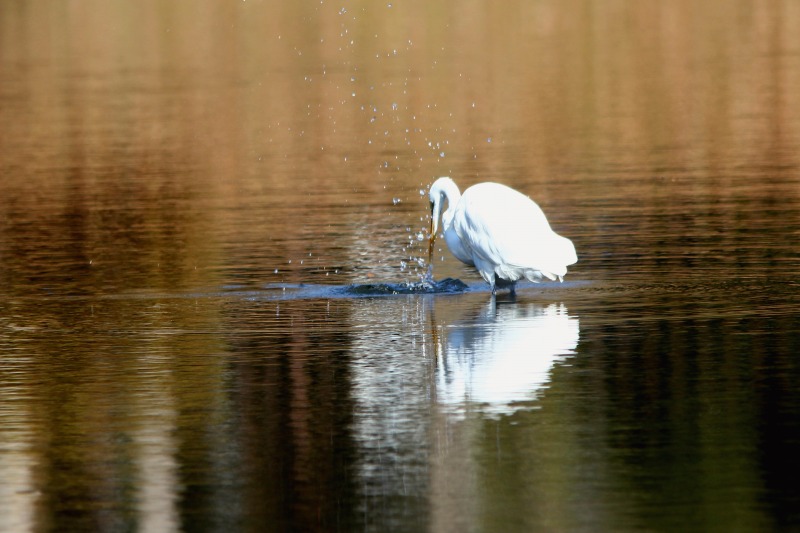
column 502, row 232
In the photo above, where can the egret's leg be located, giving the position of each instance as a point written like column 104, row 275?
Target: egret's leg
column 512, row 290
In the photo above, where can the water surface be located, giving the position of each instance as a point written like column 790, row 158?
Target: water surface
column 206, row 212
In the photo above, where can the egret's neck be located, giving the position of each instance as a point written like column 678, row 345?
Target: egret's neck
column 453, row 196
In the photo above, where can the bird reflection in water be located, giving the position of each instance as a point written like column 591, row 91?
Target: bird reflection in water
column 502, row 356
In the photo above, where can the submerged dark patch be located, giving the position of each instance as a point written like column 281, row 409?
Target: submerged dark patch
column 447, row 285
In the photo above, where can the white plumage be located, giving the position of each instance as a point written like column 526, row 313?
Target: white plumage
column 500, row 231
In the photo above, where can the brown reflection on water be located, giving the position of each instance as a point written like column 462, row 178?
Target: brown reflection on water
column 289, row 384
column 95, row 393
column 139, row 134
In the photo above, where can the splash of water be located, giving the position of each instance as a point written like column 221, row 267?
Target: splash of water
column 428, row 276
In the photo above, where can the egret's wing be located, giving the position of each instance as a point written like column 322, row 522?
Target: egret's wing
column 508, row 229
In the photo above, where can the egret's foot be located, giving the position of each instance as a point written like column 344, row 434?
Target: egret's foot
column 500, row 283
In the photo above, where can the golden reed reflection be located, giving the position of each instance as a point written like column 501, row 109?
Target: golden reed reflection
column 233, row 83
column 156, row 108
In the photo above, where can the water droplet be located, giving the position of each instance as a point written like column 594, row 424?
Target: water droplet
column 420, row 236
column 396, row 201
column 441, row 154
column 488, row 140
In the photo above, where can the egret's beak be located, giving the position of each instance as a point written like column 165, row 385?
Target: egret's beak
column 431, row 235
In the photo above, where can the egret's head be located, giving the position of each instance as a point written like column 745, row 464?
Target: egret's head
column 442, row 188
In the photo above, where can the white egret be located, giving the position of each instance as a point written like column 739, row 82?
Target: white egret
column 499, row 231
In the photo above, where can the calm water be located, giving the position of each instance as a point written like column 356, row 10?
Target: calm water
column 195, row 198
